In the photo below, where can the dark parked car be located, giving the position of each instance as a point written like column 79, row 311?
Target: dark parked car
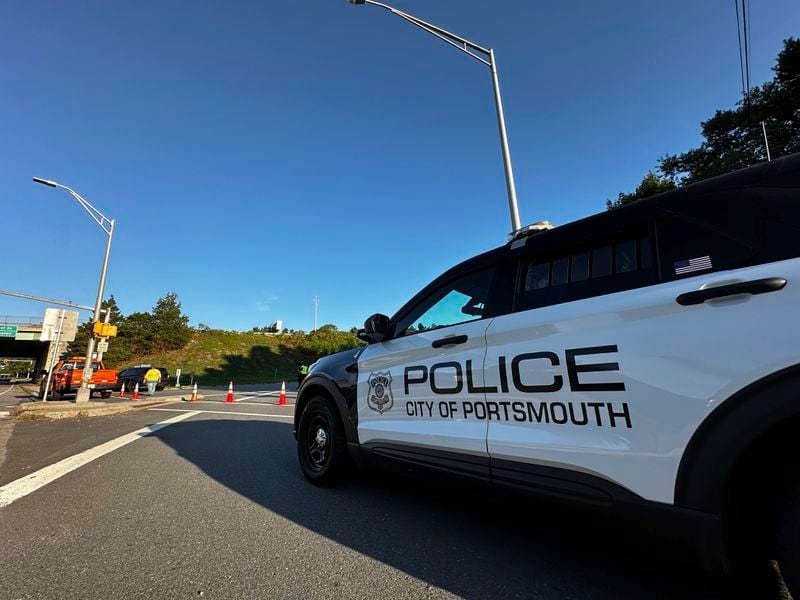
column 130, row 377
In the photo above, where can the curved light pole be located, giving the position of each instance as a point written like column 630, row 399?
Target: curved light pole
column 475, row 51
column 107, row 225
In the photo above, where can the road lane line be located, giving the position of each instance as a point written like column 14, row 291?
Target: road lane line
column 264, row 395
column 8, row 390
column 227, row 412
column 244, row 403
column 32, row 482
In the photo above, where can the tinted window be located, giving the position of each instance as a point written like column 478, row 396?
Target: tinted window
column 601, row 262
column 604, row 268
column 625, row 256
column 538, row 277
column 690, row 248
column 458, row 302
column 560, row 271
column 580, row 267
column 645, row 254
column 80, row 364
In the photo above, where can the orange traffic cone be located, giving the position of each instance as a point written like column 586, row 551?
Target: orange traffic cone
column 122, row 391
column 282, row 398
column 229, row 397
column 194, row 394
column 135, row 395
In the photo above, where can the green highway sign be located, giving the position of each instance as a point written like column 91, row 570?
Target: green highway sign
column 8, row 331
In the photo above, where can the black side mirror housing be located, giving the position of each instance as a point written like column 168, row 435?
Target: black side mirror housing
column 376, row 329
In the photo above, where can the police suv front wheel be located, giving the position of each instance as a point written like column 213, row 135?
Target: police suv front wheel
column 321, row 443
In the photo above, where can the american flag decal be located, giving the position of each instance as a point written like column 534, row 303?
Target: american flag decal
column 693, row 264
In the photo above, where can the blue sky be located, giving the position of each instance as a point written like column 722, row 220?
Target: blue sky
column 255, row 154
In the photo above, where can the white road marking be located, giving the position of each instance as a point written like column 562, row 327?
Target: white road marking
column 245, row 403
column 254, row 392
column 257, row 395
column 226, row 412
column 8, row 390
column 288, row 403
column 30, row 483
column 270, row 394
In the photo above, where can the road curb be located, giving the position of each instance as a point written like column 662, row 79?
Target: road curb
column 31, row 411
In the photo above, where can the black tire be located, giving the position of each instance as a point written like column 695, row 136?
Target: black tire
column 106, row 394
column 788, row 538
column 321, row 443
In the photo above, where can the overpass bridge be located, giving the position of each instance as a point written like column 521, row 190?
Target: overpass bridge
column 35, row 337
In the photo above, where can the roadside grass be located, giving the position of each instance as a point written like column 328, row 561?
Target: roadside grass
column 217, row 357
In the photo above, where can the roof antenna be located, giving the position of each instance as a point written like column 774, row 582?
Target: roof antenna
column 766, row 141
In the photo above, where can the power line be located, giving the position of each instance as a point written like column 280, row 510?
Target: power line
column 746, row 32
column 746, row 29
column 743, row 37
column 739, row 38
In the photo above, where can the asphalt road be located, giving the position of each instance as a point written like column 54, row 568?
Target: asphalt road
column 215, row 506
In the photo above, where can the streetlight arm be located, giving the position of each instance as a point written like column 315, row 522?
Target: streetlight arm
column 473, row 50
column 99, row 218
column 107, row 225
column 454, row 40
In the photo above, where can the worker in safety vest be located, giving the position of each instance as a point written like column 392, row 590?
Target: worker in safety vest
column 152, row 377
column 302, row 371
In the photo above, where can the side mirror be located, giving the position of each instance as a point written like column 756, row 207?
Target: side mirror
column 376, row 329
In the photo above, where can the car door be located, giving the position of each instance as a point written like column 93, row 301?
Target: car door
column 416, row 390
column 605, row 392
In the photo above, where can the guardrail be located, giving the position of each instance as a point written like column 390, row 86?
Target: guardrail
column 12, row 320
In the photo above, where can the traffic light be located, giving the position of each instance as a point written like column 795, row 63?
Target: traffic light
column 104, row 330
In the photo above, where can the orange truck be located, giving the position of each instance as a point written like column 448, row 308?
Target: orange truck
column 67, row 375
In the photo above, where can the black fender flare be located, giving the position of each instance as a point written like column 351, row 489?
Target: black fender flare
column 316, row 384
column 728, row 432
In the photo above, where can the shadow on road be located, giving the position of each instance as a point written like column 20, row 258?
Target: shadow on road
column 470, row 543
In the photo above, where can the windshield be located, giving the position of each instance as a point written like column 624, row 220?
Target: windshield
column 80, row 365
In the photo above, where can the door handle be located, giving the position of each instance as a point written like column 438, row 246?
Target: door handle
column 449, row 341
column 756, row 286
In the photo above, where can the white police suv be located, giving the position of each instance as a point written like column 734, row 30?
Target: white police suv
column 646, row 358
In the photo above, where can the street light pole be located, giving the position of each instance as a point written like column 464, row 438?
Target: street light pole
column 478, row 53
column 107, row 225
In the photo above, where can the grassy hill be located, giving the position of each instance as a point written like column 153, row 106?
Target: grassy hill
column 217, row 357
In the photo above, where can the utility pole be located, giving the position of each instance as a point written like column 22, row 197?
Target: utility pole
column 103, row 340
column 107, row 225
column 55, row 354
column 766, row 141
column 316, row 306
column 487, row 57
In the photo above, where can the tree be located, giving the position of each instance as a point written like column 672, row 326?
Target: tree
column 733, row 139
column 77, row 347
column 138, row 334
column 170, row 326
column 327, row 340
column 651, row 185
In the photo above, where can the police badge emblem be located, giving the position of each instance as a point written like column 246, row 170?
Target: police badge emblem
column 379, row 395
